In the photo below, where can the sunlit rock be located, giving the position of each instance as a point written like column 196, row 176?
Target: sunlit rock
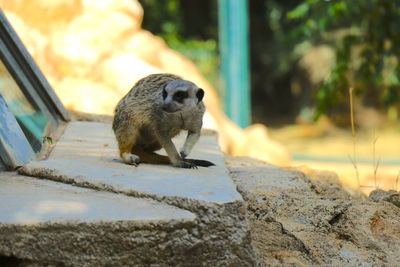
column 87, row 96
column 123, row 70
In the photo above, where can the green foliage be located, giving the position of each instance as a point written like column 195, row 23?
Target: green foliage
column 364, row 33
column 366, row 36
column 204, row 53
column 181, row 24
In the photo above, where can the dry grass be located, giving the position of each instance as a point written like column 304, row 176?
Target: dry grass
column 353, row 134
column 375, row 163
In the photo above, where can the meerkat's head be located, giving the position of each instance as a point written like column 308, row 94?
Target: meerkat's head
column 181, row 95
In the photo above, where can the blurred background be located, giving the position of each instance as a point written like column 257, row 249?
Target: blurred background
column 304, row 56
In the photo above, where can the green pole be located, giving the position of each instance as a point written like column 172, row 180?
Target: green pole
column 234, row 54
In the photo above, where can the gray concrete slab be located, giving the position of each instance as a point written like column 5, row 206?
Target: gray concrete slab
column 87, row 153
column 45, row 223
column 25, row 200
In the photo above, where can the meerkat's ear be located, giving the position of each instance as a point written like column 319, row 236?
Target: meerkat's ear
column 200, row 94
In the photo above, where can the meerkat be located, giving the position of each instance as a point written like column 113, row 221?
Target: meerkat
column 156, row 109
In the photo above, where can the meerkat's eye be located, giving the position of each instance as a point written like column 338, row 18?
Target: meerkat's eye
column 180, row 96
column 164, row 94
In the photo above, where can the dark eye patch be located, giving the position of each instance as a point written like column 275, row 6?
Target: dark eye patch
column 180, row 96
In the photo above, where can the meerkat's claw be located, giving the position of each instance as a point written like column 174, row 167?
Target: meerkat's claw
column 194, row 167
column 186, row 165
column 131, row 159
column 191, row 165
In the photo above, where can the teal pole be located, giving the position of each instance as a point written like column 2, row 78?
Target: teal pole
column 234, row 54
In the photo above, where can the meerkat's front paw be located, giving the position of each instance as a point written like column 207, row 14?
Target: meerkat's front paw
column 186, row 165
column 130, row 158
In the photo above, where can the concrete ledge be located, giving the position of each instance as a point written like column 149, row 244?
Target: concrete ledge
column 87, row 153
column 51, row 202
column 206, row 222
column 52, row 223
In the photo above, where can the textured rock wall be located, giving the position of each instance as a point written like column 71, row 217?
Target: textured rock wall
column 302, row 220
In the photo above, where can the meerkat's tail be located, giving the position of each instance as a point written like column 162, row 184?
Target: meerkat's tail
column 200, row 162
column 151, row 157
column 154, row 158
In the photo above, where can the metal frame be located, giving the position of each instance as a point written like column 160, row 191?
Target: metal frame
column 15, row 149
column 234, row 51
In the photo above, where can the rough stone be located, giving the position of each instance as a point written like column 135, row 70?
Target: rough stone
column 86, row 156
column 45, row 222
column 390, row 196
column 295, row 220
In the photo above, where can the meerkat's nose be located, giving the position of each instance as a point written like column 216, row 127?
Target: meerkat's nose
column 168, row 107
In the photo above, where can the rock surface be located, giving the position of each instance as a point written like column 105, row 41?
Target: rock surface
column 302, row 221
column 390, row 196
column 294, row 218
column 43, row 222
column 192, row 218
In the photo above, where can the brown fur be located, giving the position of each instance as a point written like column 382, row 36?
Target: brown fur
column 142, row 127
